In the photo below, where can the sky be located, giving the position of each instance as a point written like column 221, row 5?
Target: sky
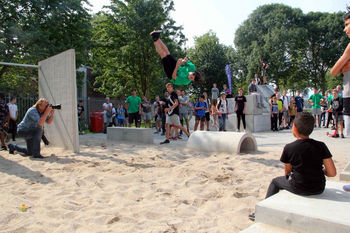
column 224, row 17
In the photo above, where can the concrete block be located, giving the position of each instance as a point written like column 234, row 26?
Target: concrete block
column 229, row 142
column 347, row 125
column 252, row 104
column 57, row 83
column 135, row 135
column 345, row 174
column 263, row 228
column 324, row 213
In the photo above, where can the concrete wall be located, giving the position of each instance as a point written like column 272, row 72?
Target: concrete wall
column 57, row 83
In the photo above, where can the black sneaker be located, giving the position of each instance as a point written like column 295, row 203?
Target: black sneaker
column 252, row 217
column 4, row 148
column 342, row 136
column 11, row 149
column 38, row 156
column 166, row 141
column 155, row 35
column 335, row 136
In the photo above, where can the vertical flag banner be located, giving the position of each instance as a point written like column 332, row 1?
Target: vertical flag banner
column 228, row 72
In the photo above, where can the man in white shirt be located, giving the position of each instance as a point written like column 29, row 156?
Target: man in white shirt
column 13, row 109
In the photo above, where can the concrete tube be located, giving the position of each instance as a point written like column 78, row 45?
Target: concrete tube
column 229, row 142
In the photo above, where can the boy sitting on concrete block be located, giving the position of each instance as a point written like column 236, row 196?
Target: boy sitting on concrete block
column 306, row 162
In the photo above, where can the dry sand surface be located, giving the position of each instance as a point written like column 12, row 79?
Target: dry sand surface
column 124, row 187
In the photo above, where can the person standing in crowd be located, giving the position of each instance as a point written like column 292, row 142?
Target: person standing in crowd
column 146, row 112
column 324, row 109
column 200, row 108
column 134, row 109
column 213, row 112
column 163, row 103
column 214, row 93
column 285, row 116
column 120, row 111
column 340, row 91
column 315, row 101
column 257, row 79
column 292, row 110
column 80, row 109
column 13, row 110
column 107, row 114
column 31, row 128
column 337, row 105
column 299, row 102
column 222, row 109
column 240, row 108
column 172, row 113
column 329, row 111
column 280, row 110
column 252, row 90
column 274, row 114
column 227, row 91
column 126, row 115
column 183, row 110
column 157, row 114
column 207, row 114
column 4, row 120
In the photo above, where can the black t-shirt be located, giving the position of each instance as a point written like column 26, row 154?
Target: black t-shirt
column 337, row 105
column 170, row 102
column 240, row 102
column 80, row 110
column 164, row 100
column 306, row 157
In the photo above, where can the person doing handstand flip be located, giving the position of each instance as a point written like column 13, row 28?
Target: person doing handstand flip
column 180, row 72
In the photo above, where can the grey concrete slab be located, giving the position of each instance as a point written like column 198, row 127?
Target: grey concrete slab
column 324, row 213
column 135, row 135
column 57, row 83
column 345, row 174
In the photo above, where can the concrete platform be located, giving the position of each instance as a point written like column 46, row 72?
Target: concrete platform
column 328, row 212
column 136, row 135
column 345, row 174
column 263, row 228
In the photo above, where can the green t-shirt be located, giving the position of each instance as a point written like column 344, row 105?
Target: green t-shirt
column 182, row 73
column 330, row 98
column 280, row 105
column 316, row 99
column 133, row 104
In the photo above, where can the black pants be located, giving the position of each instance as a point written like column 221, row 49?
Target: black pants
column 280, row 115
column 274, row 121
column 163, row 122
column 240, row 115
column 13, row 129
column 330, row 117
column 282, row 182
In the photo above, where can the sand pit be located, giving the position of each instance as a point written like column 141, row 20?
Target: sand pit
column 123, row 187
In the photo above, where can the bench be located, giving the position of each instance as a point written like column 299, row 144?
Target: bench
column 138, row 135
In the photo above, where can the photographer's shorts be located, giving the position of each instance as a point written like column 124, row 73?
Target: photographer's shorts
column 169, row 64
column 173, row 119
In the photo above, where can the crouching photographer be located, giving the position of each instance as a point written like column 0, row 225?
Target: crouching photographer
column 31, row 128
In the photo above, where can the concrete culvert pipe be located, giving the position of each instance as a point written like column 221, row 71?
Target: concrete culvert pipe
column 229, row 142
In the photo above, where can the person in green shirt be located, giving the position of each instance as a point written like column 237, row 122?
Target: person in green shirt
column 315, row 101
column 134, row 109
column 180, row 72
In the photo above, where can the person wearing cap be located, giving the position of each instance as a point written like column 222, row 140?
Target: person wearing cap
column 222, row 109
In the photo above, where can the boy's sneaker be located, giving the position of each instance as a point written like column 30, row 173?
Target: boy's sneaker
column 166, row 141
column 4, row 148
column 335, row 136
column 342, row 136
column 11, row 149
column 252, row 217
column 155, row 35
column 38, row 156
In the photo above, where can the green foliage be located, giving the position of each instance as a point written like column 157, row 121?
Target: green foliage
column 210, row 59
column 34, row 30
column 123, row 55
column 299, row 48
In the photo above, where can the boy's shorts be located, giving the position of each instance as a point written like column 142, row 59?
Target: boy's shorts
column 169, row 64
column 120, row 121
column 339, row 118
column 316, row 111
column 147, row 116
column 200, row 118
column 207, row 116
column 173, row 119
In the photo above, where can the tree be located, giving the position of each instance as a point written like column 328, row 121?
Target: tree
column 210, row 59
column 34, row 30
column 123, row 55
